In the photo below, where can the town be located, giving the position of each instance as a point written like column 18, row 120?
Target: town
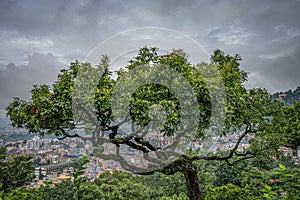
column 54, row 158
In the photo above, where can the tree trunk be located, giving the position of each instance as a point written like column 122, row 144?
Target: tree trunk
column 192, row 182
column 185, row 165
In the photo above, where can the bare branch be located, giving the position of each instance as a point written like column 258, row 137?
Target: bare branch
column 65, row 134
column 244, row 158
column 145, row 143
column 232, row 151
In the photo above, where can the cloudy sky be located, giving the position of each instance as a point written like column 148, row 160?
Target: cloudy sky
column 37, row 38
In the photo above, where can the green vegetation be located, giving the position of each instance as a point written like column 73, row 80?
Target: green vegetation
column 288, row 97
column 15, row 171
column 253, row 112
column 291, row 120
column 242, row 181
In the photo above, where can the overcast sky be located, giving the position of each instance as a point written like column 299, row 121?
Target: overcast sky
column 37, row 38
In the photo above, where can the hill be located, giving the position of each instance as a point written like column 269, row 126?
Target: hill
column 288, row 97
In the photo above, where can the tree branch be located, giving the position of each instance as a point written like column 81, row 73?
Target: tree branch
column 65, row 134
column 232, row 151
column 146, row 143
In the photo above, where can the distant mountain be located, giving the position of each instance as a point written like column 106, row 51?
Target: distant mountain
column 289, row 96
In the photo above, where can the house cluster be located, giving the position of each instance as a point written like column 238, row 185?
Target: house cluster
column 54, row 159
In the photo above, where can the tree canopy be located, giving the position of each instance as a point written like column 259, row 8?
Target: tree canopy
column 187, row 104
column 15, row 171
column 291, row 124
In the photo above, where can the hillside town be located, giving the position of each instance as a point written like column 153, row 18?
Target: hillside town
column 54, row 158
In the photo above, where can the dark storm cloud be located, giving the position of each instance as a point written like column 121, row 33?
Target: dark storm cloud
column 282, row 71
column 265, row 33
column 74, row 28
column 17, row 81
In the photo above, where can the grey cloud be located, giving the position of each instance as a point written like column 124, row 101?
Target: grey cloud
column 17, row 81
column 265, row 33
column 283, row 71
column 277, row 72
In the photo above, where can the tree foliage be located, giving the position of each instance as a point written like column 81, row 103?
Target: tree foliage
column 122, row 185
column 242, row 181
column 23, row 194
column 162, row 185
column 230, row 192
column 291, row 124
column 250, row 112
column 15, row 171
column 64, row 191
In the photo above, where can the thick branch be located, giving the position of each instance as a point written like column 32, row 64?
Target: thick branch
column 65, row 134
column 238, row 160
column 145, row 143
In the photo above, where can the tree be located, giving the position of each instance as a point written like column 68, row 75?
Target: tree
column 291, row 128
column 52, row 110
column 23, row 194
column 286, row 181
column 64, row 191
column 230, row 192
column 111, row 186
column 90, row 191
column 122, row 185
column 181, row 196
column 162, row 185
column 242, row 175
column 15, row 171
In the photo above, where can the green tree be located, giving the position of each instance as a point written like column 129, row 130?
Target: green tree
column 90, row 191
column 23, row 194
column 15, row 171
column 64, row 191
column 111, row 186
column 181, row 196
column 163, row 185
column 286, row 181
column 122, row 185
column 291, row 128
column 248, row 111
column 230, row 192
column 227, row 174
column 243, row 175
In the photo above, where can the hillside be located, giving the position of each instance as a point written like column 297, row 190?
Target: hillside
column 288, row 97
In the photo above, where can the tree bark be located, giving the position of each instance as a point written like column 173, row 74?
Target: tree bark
column 192, row 182
column 189, row 169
